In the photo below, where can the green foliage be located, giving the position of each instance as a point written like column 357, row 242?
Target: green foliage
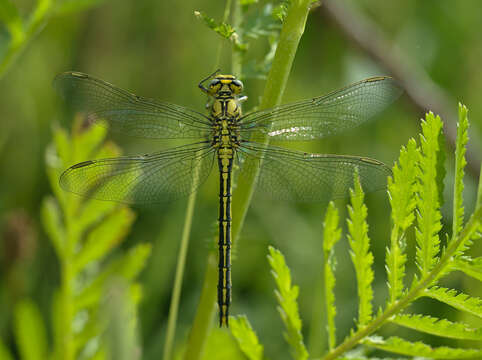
column 83, row 233
column 30, row 332
column 401, row 191
column 360, row 252
column 440, row 327
column 460, row 162
column 331, row 235
column 286, row 294
column 428, row 194
column 400, row 346
column 246, row 338
column 415, row 188
column 260, row 21
column 22, row 31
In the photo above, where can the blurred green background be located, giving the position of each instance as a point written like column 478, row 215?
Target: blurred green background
column 159, row 49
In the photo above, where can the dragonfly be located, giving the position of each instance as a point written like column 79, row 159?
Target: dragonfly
column 229, row 138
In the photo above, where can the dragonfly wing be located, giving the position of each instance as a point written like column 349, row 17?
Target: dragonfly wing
column 128, row 113
column 298, row 176
column 155, row 178
column 325, row 115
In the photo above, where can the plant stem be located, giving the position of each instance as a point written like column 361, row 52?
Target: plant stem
column 291, row 32
column 205, row 311
column 66, row 349
column 181, row 262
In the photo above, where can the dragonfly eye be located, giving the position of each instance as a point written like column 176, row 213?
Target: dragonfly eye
column 237, row 86
column 213, row 83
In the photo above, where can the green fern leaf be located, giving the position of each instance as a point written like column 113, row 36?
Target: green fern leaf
column 400, row 346
column 246, row 337
column 439, row 327
column 360, row 253
column 458, row 300
column 401, row 189
column 127, row 266
column 104, row 237
column 288, row 306
column 470, row 267
column 51, row 219
column 30, row 332
column 429, row 194
column 460, row 162
column 331, row 235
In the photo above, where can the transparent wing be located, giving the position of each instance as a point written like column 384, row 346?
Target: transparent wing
column 129, row 113
column 154, row 178
column 298, row 176
column 325, row 115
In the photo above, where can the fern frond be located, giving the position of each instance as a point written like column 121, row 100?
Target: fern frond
column 470, row 267
column 460, row 162
column 400, row 346
column 127, row 266
column 288, row 307
column 246, row 337
column 331, row 235
column 360, row 253
column 439, row 327
column 105, row 237
column 429, row 189
column 457, row 300
column 401, row 190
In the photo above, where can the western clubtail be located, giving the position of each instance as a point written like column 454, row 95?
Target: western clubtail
column 225, row 136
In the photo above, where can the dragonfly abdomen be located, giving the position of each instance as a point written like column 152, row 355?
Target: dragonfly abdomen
column 225, row 162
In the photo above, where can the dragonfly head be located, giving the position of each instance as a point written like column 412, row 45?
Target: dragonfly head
column 225, row 86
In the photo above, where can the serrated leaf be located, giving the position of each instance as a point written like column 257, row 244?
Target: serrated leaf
column 401, row 189
column 104, row 237
column 360, row 253
column 460, row 162
column 127, row 266
column 223, row 29
column 400, row 346
column 246, row 337
column 470, row 267
column 30, row 333
column 429, row 194
column 331, row 235
column 288, row 306
column 458, row 300
column 438, row 327
column 51, row 220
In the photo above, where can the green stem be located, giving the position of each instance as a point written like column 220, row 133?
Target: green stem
column 66, row 349
column 205, row 312
column 176, row 291
column 236, row 58
column 291, row 32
